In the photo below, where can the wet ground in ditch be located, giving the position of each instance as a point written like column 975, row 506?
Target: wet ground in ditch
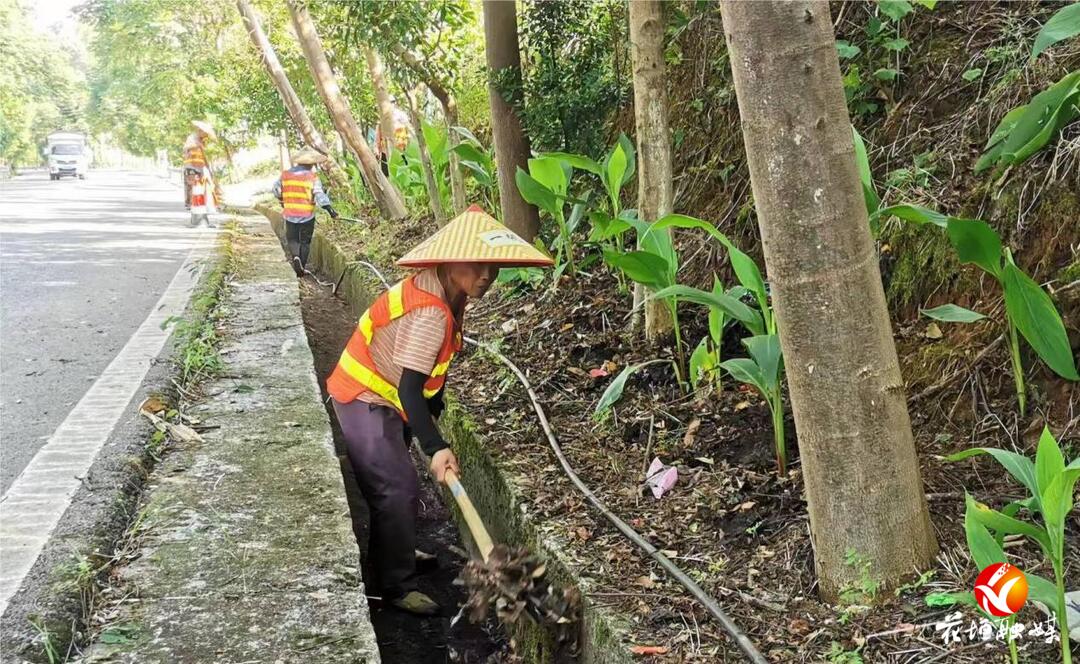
column 403, row 639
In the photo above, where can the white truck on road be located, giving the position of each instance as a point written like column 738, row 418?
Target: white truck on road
column 68, row 153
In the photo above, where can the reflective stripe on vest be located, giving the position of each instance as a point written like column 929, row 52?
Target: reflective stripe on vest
column 356, row 372
column 297, row 193
column 194, row 158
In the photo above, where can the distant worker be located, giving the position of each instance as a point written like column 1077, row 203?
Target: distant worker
column 300, row 192
column 196, row 165
column 388, row 385
column 399, row 141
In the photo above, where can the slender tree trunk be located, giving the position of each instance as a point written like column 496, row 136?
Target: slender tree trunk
column 442, row 92
column 653, row 140
column 295, row 108
column 386, row 196
column 511, row 143
column 434, row 198
column 863, row 487
column 382, row 97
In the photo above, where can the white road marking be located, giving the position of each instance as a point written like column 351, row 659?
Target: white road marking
column 39, row 496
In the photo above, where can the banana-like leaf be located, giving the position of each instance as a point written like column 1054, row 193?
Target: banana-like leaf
column 576, row 161
column 467, row 135
column 1032, row 311
column 1057, row 502
column 640, row 266
column 863, row 163
column 1000, row 522
column 913, row 213
column 614, row 391
column 1049, row 461
column 614, row 169
column 1019, row 466
column 765, row 351
column 747, row 371
column 536, row 193
column 604, row 227
column 1034, row 126
column 552, row 173
column 720, row 301
column 702, row 363
column 951, row 313
column 470, row 152
column 975, row 242
column 631, row 157
column 1065, row 23
column 984, row 549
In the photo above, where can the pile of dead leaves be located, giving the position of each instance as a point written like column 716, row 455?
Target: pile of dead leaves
column 513, row 581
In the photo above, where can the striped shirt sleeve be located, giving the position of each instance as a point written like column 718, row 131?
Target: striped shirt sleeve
column 419, row 338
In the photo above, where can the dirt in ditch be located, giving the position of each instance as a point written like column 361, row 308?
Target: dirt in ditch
column 403, row 639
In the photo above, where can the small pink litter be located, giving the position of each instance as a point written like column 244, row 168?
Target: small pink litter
column 661, row 478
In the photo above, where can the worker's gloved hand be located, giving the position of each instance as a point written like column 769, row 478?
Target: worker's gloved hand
column 442, row 461
column 331, row 211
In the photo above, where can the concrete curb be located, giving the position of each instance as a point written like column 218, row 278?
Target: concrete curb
column 492, row 488
column 245, row 551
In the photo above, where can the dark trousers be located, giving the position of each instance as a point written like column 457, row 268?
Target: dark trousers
column 299, row 239
column 375, row 438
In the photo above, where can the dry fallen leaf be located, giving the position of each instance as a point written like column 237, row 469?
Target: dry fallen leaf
column 611, row 366
column 798, row 626
column 691, row 432
column 933, row 331
column 748, row 505
column 566, row 327
column 649, row 650
column 742, row 405
column 644, row 582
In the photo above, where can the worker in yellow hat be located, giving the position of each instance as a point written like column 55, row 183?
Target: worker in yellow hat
column 196, row 171
column 300, row 192
column 388, row 385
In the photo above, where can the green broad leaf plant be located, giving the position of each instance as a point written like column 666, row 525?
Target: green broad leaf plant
column 1029, row 311
column 1051, row 485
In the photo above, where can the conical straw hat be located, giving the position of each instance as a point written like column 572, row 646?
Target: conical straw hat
column 474, row 236
column 307, row 157
column 205, row 127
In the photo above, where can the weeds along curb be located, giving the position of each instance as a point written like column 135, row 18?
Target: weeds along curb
column 490, row 488
column 76, row 584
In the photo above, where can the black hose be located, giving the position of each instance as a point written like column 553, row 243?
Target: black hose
column 740, row 638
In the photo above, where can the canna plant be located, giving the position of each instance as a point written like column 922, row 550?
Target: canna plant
column 545, row 185
column 763, row 370
column 705, row 360
column 1029, row 311
column 1051, row 484
column 480, row 162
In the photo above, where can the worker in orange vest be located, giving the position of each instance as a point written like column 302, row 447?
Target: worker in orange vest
column 300, row 192
column 196, row 165
column 399, row 141
column 388, row 385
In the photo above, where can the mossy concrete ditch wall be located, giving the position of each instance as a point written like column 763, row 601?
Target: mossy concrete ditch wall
column 492, row 489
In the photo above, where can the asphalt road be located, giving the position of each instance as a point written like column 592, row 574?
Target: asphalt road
column 82, row 262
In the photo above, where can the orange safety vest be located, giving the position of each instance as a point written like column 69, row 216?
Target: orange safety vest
column 356, row 372
column 195, row 158
column 297, row 193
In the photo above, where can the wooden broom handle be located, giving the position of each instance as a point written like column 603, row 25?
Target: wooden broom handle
column 472, row 518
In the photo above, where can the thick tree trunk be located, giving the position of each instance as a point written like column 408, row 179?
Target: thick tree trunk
column 442, row 92
column 863, row 487
column 434, row 199
column 653, row 140
column 289, row 98
column 511, row 144
column 386, row 196
column 382, row 98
